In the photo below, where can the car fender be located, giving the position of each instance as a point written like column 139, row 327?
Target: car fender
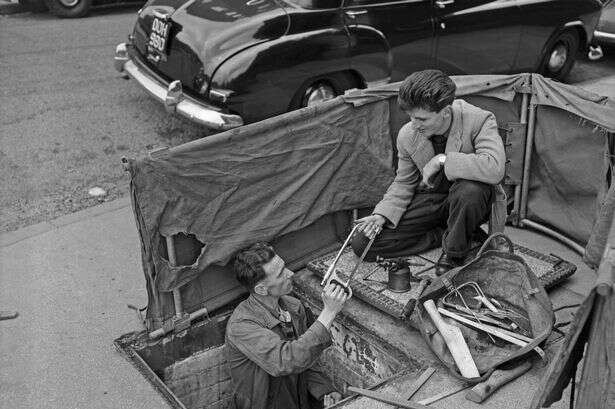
column 370, row 54
column 547, row 21
column 264, row 78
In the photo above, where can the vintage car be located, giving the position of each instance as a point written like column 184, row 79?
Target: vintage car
column 223, row 63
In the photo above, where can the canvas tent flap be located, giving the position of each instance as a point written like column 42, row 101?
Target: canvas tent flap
column 563, row 194
column 503, row 87
column 278, row 179
column 599, row 110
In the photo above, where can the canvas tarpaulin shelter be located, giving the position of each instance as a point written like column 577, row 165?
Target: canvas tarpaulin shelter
column 285, row 175
column 590, row 336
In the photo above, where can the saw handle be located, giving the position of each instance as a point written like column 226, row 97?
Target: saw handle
column 345, row 286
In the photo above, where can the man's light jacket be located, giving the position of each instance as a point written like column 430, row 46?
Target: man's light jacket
column 474, row 151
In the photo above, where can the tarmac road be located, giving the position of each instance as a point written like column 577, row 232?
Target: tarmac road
column 67, row 119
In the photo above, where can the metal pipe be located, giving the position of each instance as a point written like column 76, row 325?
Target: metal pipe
column 573, row 245
column 527, row 160
column 177, row 298
column 193, row 316
column 517, row 198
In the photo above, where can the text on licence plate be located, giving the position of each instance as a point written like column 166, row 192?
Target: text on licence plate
column 158, row 36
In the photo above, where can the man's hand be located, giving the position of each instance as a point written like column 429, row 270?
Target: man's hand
column 371, row 226
column 430, row 170
column 332, row 398
column 333, row 298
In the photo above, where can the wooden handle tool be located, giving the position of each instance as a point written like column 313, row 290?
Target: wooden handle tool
column 498, row 378
column 454, row 341
column 416, row 294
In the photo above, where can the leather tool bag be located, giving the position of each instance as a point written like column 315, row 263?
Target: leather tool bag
column 503, row 276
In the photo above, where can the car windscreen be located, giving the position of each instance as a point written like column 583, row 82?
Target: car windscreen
column 316, row 4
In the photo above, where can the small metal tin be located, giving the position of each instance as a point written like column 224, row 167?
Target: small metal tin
column 399, row 280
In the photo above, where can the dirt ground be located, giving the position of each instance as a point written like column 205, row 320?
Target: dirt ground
column 52, row 178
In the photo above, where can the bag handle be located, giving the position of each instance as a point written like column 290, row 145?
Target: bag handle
column 490, row 238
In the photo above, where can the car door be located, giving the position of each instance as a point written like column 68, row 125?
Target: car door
column 389, row 39
column 477, row 36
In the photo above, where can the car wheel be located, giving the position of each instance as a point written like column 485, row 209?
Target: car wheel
column 322, row 89
column 560, row 55
column 69, row 8
column 318, row 93
column 35, row 6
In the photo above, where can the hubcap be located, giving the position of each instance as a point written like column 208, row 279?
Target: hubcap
column 558, row 57
column 318, row 94
column 69, row 3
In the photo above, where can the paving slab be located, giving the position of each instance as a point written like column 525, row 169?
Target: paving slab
column 71, row 285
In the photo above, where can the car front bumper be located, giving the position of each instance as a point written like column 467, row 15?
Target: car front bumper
column 172, row 96
column 602, row 37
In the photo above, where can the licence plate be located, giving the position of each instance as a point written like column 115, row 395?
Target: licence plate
column 158, row 38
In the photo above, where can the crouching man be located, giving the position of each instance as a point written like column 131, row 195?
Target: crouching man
column 451, row 161
column 271, row 351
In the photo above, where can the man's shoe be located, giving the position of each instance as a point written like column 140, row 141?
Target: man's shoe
column 446, row 262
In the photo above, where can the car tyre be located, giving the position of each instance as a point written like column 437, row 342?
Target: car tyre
column 560, row 55
column 322, row 89
column 35, row 6
column 69, row 8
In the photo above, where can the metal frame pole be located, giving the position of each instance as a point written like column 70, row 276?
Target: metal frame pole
column 543, row 229
column 517, row 198
column 529, row 145
column 177, row 298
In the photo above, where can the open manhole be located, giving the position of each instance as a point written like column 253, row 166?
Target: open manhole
column 189, row 369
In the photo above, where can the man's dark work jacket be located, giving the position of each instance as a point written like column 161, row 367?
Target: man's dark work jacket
column 270, row 370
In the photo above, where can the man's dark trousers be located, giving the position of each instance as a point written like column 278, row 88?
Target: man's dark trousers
column 449, row 216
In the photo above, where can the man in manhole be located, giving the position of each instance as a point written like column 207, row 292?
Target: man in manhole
column 450, row 162
column 270, row 349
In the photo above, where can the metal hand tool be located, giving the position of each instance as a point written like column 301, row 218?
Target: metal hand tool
column 416, row 294
column 442, row 395
column 472, row 285
column 331, row 274
column 418, row 383
column 387, row 398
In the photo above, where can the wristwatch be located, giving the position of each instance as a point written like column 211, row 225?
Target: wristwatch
column 442, row 159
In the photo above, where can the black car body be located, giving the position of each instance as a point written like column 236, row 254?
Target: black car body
column 246, row 60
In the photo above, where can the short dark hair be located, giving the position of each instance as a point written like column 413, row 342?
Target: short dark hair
column 431, row 90
column 248, row 263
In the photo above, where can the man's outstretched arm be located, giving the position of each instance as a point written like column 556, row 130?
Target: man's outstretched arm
column 278, row 357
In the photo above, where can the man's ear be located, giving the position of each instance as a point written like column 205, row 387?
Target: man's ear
column 446, row 111
column 260, row 289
